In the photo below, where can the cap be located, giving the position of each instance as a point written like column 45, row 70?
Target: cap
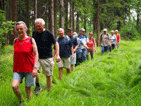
column 104, row 29
column 75, row 34
column 70, row 29
column 82, row 29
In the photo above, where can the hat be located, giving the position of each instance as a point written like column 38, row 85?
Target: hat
column 70, row 29
column 104, row 29
column 75, row 34
column 82, row 29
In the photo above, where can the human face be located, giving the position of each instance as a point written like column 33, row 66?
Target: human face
column 90, row 35
column 104, row 32
column 70, row 33
column 61, row 33
column 21, row 30
column 82, row 32
column 116, row 32
column 112, row 32
column 39, row 27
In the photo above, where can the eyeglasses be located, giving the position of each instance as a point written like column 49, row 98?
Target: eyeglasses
column 69, row 31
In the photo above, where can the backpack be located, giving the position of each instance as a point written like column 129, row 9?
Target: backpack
column 101, row 36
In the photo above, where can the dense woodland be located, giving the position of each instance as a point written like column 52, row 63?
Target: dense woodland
column 93, row 15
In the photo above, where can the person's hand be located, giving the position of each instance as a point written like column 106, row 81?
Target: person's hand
column 74, row 50
column 57, row 58
column 89, row 48
column 72, row 56
column 95, row 50
column 34, row 72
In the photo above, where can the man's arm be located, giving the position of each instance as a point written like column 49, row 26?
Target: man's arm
column 57, row 51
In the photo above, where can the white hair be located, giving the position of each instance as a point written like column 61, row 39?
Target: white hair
column 21, row 22
column 61, row 29
column 116, row 30
column 40, row 19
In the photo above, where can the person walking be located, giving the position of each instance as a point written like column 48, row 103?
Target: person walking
column 79, row 49
column 25, row 61
column 91, row 45
column 118, row 38
column 113, row 40
column 65, row 50
column 84, row 39
column 105, row 41
column 75, row 46
column 44, row 39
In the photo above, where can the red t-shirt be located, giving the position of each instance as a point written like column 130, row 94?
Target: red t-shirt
column 118, row 39
column 91, row 44
column 23, row 56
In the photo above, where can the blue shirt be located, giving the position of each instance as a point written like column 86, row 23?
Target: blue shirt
column 79, row 49
column 73, row 40
column 65, row 45
column 84, row 39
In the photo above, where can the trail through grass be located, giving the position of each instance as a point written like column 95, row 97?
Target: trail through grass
column 113, row 79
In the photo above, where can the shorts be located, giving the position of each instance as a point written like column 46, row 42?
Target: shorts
column 47, row 66
column 29, row 80
column 64, row 63
column 73, row 61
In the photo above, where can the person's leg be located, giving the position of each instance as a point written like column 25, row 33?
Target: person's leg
column 102, row 49
column 38, row 87
column 49, row 82
column 17, row 78
column 87, row 54
column 15, row 87
column 60, row 73
column 92, row 54
column 84, row 53
column 28, row 92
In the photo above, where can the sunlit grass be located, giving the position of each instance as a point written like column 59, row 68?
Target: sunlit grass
column 113, row 79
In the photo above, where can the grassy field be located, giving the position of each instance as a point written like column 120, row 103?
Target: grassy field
column 113, row 79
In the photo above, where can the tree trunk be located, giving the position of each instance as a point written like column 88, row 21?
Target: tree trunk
column 71, row 16
column 94, row 17
column 98, row 23
column 77, row 22
column 35, row 11
column 62, row 14
column 10, row 19
column 14, row 19
column 66, row 15
column 55, row 17
column 27, row 17
column 51, row 16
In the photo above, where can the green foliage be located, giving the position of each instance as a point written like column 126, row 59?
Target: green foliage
column 5, row 27
column 112, row 79
column 128, row 31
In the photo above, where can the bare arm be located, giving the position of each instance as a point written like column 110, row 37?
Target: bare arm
column 72, row 52
column 34, row 73
column 76, row 48
column 57, row 52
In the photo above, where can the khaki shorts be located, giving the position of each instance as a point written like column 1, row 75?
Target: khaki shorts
column 47, row 66
column 64, row 62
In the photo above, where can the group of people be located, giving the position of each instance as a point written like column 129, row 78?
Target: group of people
column 32, row 53
column 109, row 42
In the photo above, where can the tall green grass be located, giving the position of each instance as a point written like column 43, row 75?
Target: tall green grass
column 113, row 79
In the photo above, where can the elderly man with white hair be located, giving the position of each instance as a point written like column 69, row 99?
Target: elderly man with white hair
column 44, row 39
column 105, row 41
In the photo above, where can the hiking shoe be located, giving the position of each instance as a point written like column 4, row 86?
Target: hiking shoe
column 37, row 90
column 21, row 103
